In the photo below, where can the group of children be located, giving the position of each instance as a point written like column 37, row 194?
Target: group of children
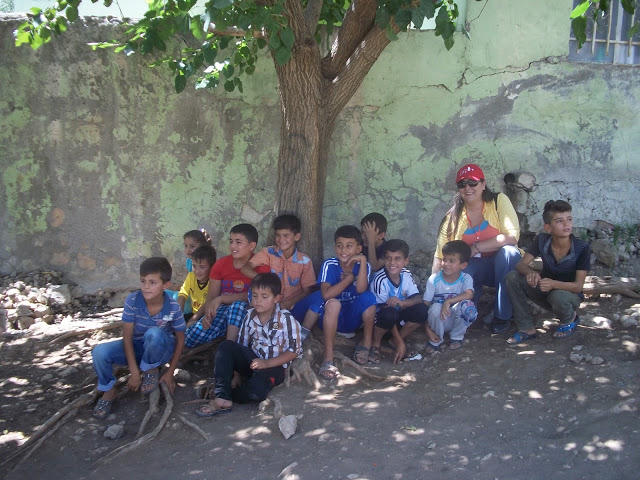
column 266, row 304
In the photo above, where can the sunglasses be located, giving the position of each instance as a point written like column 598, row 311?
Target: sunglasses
column 471, row 183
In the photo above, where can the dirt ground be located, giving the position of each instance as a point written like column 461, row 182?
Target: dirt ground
column 487, row 411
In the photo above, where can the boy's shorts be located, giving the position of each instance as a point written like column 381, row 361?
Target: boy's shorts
column 350, row 317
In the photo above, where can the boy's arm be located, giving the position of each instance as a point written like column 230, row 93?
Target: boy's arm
column 362, row 281
column 135, row 379
column 446, row 305
column 411, row 301
column 547, row 284
column 332, row 291
column 293, row 299
column 524, row 268
column 211, row 304
column 282, row 359
column 181, row 301
column 167, row 377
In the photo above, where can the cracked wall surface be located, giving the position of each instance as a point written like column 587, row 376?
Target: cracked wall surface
column 103, row 164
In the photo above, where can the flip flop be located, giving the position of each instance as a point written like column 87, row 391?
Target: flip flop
column 568, row 329
column 208, row 410
column 520, row 337
column 328, row 371
column 149, row 380
column 432, row 349
column 456, row 344
column 102, row 409
column 374, row 355
column 361, row 355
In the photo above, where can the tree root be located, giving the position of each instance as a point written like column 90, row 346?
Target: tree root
column 628, row 287
column 300, row 370
column 347, row 362
column 195, row 427
column 65, row 413
column 154, row 399
column 51, row 431
column 142, row 440
column 77, row 333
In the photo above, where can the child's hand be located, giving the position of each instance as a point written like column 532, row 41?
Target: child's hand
column 258, row 364
column 210, row 312
column 135, row 379
column 370, row 232
column 394, row 302
column 167, row 378
column 445, row 311
column 359, row 258
column 545, row 284
column 533, row 279
column 349, row 275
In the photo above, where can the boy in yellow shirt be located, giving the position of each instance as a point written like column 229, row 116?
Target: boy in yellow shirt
column 196, row 285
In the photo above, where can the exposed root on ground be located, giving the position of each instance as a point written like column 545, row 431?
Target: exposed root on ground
column 77, row 333
column 147, row 438
column 628, row 287
column 300, row 370
column 154, row 399
column 347, row 362
column 195, row 427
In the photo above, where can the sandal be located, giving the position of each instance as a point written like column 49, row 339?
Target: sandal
column 374, row 355
column 456, row 344
column 149, row 381
column 103, row 409
column 520, row 337
column 432, row 349
column 361, row 355
column 328, row 371
column 211, row 410
column 567, row 329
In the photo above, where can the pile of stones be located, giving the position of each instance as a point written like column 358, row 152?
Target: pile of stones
column 613, row 246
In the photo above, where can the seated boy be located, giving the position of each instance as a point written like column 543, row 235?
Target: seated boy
column 269, row 341
column 400, row 307
column 196, row 285
column 153, row 334
column 449, row 294
column 344, row 301
column 374, row 229
column 292, row 266
column 226, row 303
column 565, row 263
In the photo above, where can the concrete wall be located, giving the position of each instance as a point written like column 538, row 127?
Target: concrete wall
column 102, row 164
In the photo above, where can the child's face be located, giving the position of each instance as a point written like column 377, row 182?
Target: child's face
column 239, row 246
column 201, row 269
column 286, row 240
column 189, row 246
column 394, row 262
column 451, row 264
column 152, row 286
column 346, row 248
column 263, row 300
column 561, row 225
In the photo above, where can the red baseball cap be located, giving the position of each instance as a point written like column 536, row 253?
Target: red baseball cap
column 470, row 172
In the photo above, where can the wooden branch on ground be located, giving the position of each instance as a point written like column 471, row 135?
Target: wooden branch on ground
column 51, row 431
column 77, row 333
column 195, row 427
column 113, row 311
column 147, row 438
column 629, row 287
column 300, row 369
column 154, row 399
column 347, row 362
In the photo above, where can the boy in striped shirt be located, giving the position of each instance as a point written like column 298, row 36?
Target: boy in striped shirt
column 269, row 340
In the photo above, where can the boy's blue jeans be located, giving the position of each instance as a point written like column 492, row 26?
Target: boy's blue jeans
column 491, row 271
column 155, row 348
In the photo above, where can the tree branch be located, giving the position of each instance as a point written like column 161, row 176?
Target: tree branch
column 357, row 24
column 312, row 14
column 347, row 81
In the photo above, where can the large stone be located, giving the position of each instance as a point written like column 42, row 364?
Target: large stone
column 58, row 294
column 114, row 432
column 605, row 252
column 25, row 322
column 24, row 309
column 12, row 293
column 40, row 311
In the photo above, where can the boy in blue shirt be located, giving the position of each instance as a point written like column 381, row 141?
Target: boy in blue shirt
column 153, row 334
column 565, row 263
column 344, row 301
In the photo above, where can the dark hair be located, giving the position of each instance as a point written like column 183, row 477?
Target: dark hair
column 288, row 222
column 459, row 247
column 156, row 265
column 454, row 212
column 205, row 252
column 268, row 280
column 396, row 245
column 248, row 231
column 348, row 231
column 200, row 236
column 378, row 219
column 554, row 206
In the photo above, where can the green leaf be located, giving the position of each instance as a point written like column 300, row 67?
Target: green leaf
column 196, row 27
column 183, row 22
column 391, row 35
column 210, row 53
column 580, row 9
column 222, row 4
column 579, row 27
column 228, row 70
column 283, row 54
column 250, row 69
column 72, row 13
column 181, row 82
column 403, row 18
column 261, row 42
column 633, row 30
column 382, row 17
column 229, row 86
column 628, row 6
column 428, row 8
column 274, row 42
column 146, row 46
column 287, row 37
column 35, row 11
column 159, row 44
column 448, row 42
column 238, row 84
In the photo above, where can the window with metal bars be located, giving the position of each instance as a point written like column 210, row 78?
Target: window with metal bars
column 608, row 38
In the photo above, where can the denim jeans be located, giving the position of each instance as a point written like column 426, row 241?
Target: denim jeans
column 155, row 348
column 562, row 303
column 491, row 271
